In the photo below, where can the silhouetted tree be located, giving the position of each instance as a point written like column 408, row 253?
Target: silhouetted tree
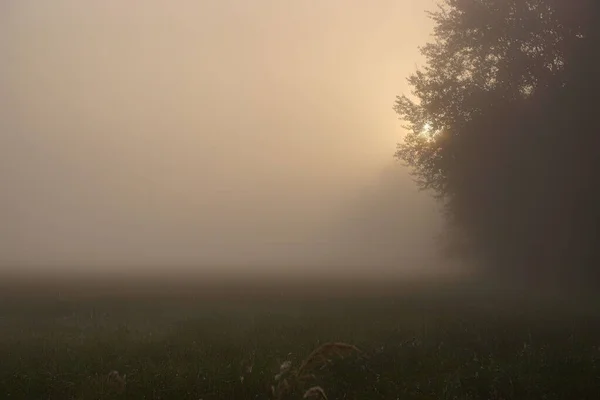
column 503, row 128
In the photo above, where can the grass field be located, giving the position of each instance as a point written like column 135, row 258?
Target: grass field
column 192, row 343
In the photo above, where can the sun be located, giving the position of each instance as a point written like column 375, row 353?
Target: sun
column 428, row 132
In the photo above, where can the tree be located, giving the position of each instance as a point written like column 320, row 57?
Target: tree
column 502, row 128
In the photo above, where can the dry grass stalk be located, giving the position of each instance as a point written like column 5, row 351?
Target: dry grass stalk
column 323, row 354
column 315, row 392
column 116, row 381
column 290, row 379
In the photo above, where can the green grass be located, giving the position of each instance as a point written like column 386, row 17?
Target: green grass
column 417, row 347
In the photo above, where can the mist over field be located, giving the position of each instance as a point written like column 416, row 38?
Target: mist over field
column 234, row 199
column 217, row 137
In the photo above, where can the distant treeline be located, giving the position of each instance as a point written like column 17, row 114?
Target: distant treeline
column 503, row 128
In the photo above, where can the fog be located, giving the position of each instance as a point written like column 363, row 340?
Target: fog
column 227, row 135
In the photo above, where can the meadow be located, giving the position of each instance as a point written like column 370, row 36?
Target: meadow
column 205, row 341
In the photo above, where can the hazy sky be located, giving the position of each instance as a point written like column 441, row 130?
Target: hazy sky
column 208, row 134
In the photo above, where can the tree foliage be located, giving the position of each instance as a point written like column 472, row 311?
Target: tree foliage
column 503, row 128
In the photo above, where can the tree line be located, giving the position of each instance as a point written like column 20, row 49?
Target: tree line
column 503, row 128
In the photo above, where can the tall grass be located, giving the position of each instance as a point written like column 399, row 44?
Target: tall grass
column 410, row 348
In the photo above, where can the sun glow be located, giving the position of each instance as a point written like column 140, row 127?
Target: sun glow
column 428, row 132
